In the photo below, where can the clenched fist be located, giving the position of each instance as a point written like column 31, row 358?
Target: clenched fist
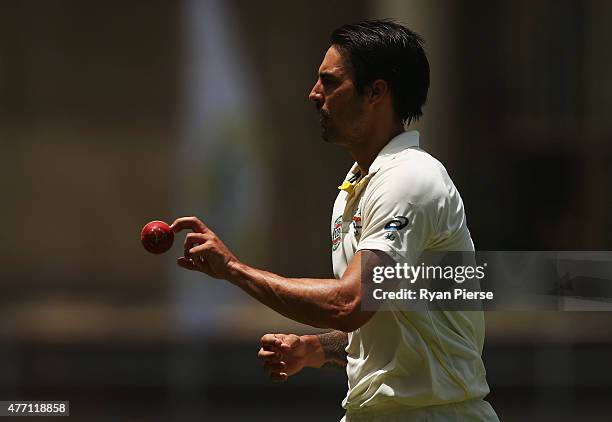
column 284, row 355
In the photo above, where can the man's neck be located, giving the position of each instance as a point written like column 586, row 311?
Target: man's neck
column 364, row 153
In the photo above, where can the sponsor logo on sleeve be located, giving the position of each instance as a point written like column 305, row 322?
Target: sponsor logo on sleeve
column 390, row 236
column 398, row 223
column 393, row 226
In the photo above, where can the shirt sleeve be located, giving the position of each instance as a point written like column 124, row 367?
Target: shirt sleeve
column 396, row 218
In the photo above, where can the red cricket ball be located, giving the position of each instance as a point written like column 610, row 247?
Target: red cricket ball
column 157, row 237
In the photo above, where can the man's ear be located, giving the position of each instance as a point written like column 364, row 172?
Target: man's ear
column 378, row 90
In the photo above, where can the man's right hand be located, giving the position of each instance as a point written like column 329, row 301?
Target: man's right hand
column 284, row 355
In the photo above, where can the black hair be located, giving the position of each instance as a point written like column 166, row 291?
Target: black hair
column 385, row 49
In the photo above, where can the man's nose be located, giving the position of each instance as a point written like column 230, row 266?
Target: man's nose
column 316, row 94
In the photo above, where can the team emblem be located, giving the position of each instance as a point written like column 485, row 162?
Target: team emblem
column 336, row 234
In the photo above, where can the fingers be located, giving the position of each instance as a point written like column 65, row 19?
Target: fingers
column 186, row 223
column 196, row 263
column 194, row 248
column 187, row 263
column 290, row 341
column 269, row 355
column 269, row 340
column 194, row 239
column 274, row 367
column 274, row 342
column 276, row 371
column 279, row 376
column 198, row 250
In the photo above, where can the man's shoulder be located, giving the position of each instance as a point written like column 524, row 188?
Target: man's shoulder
column 415, row 160
column 412, row 174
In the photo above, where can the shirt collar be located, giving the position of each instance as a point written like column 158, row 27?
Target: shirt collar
column 397, row 144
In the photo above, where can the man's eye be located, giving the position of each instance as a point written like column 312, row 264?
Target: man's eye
column 328, row 81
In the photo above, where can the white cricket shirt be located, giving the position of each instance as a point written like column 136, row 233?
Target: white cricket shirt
column 407, row 359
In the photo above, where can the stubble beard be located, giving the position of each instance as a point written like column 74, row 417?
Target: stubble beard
column 325, row 131
column 325, row 135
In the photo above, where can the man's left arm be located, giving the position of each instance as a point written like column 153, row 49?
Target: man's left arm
column 323, row 303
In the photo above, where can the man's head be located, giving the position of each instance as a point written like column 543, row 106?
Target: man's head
column 374, row 71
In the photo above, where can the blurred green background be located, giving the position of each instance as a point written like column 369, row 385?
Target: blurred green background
column 116, row 113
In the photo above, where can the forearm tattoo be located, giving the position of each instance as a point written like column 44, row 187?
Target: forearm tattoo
column 334, row 344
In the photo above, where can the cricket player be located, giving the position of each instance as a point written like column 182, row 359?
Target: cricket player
column 396, row 202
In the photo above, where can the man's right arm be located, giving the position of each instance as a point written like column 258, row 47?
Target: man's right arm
column 284, row 355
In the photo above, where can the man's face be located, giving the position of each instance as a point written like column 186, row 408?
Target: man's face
column 340, row 107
